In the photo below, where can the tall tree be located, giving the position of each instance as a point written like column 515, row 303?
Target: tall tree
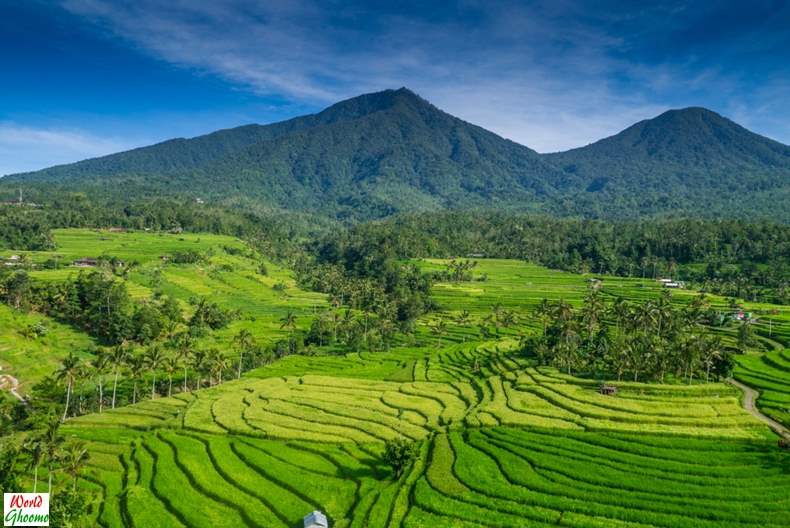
column 99, row 365
column 35, row 449
column 153, row 360
column 244, row 341
column 117, row 358
column 68, row 371
column 171, row 364
column 74, row 457
column 137, row 365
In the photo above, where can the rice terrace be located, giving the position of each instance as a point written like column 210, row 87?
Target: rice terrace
column 365, row 264
column 500, row 437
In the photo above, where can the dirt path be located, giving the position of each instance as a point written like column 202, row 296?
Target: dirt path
column 12, row 384
column 749, row 397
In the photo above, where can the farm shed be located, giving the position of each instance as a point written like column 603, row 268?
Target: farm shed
column 85, row 262
column 608, row 390
column 315, row 519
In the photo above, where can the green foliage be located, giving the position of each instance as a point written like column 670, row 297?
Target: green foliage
column 647, row 341
column 383, row 153
column 748, row 260
column 211, row 315
column 399, row 453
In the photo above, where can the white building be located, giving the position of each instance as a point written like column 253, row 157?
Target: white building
column 315, row 519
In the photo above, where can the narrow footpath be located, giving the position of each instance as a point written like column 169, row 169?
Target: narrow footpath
column 749, row 397
column 12, row 384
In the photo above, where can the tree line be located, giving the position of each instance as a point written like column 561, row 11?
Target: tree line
column 43, row 447
column 651, row 341
column 750, row 260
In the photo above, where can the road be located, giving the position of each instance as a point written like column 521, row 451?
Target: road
column 749, row 397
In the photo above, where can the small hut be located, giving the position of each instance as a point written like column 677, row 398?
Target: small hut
column 315, row 519
column 86, row 262
column 608, row 390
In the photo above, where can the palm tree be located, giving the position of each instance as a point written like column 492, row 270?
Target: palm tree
column 99, row 365
column 198, row 358
column 153, row 360
column 171, row 364
column 711, row 351
column 508, row 318
column 69, row 370
column 74, row 457
column 593, row 312
column 217, row 363
column 544, row 312
column 35, row 448
column 744, row 335
column 137, row 366
column 244, row 341
column 117, row 358
column 288, row 321
column 439, row 329
column 51, row 440
column 183, row 353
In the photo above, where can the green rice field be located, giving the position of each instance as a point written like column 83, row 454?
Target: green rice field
column 502, row 442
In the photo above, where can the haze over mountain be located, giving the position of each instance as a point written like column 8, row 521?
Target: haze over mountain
column 391, row 151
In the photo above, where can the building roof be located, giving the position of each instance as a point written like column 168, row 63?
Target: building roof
column 315, row 519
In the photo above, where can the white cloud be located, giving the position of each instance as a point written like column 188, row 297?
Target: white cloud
column 24, row 148
column 543, row 74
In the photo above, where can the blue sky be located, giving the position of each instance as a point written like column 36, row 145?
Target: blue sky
column 81, row 78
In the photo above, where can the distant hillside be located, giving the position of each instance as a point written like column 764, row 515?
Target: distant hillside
column 383, row 153
column 681, row 160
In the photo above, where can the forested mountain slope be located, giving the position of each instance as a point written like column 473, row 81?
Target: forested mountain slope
column 383, row 153
column 682, row 159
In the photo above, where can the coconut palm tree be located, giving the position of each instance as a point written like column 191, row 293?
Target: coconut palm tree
column 171, row 364
column 99, row 365
column 74, row 456
column 198, row 360
column 219, row 362
column 244, row 341
column 288, row 321
column 463, row 318
column 69, row 370
column 35, row 449
column 711, row 351
column 439, row 329
column 117, row 359
column 183, row 353
column 52, row 440
column 153, row 360
column 137, row 366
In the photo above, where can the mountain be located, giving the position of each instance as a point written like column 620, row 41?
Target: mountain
column 680, row 160
column 366, row 157
column 382, row 153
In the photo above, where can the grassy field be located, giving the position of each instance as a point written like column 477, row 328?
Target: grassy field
column 230, row 276
column 502, row 442
column 31, row 358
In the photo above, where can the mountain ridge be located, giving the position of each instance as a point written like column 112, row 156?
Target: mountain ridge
column 392, row 151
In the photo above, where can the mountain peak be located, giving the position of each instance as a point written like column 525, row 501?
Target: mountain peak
column 369, row 103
